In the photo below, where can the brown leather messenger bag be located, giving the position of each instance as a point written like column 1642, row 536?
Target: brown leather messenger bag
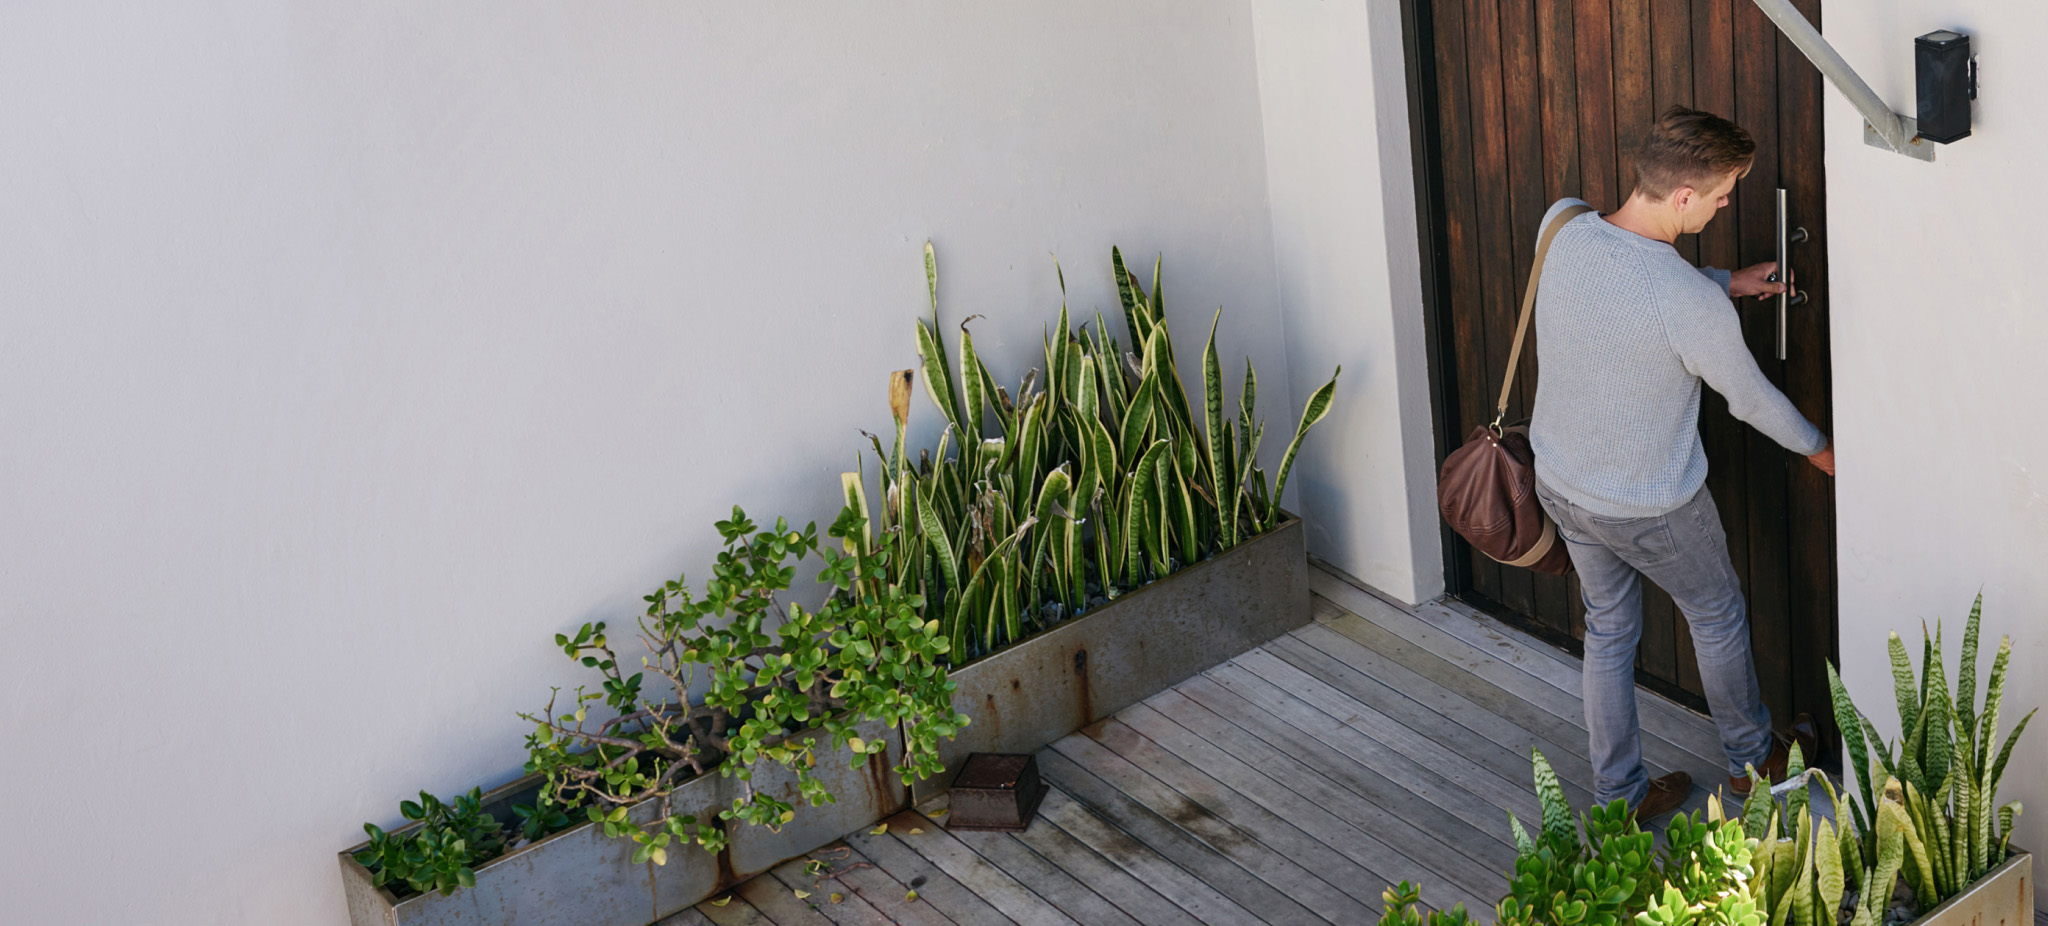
column 1487, row 489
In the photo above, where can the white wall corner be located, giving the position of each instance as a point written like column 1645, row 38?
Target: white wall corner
column 1333, row 102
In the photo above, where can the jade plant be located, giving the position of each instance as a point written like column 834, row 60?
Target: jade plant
column 1096, row 476
column 772, row 674
column 1942, row 775
column 1598, row 875
column 1599, row 869
column 1399, row 903
column 441, row 853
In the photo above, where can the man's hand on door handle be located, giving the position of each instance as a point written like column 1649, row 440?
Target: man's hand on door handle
column 1825, row 459
column 1755, row 280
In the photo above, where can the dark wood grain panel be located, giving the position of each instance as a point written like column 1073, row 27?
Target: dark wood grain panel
column 1559, row 168
column 1634, row 86
column 1634, row 77
column 1459, row 293
column 1528, row 199
column 1593, row 49
column 1756, row 106
column 1494, row 211
column 1807, row 377
column 1560, row 97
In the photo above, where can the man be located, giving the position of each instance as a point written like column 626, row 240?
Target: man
column 1626, row 332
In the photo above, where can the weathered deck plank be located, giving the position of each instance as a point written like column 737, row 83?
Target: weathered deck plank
column 1226, row 872
column 1426, row 747
column 688, row 917
column 1191, row 893
column 1425, row 783
column 1267, row 855
column 1342, row 788
column 1562, row 694
column 848, row 910
column 779, row 903
column 914, row 872
column 1427, row 708
column 986, row 880
column 868, row 882
column 1116, row 885
column 733, row 910
column 1069, row 894
column 1240, row 811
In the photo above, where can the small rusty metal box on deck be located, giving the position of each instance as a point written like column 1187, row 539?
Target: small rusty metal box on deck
column 995, row 792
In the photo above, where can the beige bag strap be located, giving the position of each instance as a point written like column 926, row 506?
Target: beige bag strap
column 1507, row 385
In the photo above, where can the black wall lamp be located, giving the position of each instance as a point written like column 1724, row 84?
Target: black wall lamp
column 1944, row 75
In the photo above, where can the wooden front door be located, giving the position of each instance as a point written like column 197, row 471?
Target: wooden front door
column 1521, row 102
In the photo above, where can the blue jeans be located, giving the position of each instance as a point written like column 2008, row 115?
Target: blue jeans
column 1686, row 553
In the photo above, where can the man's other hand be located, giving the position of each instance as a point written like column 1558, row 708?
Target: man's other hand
column 1755, row 281
column 1825, row 459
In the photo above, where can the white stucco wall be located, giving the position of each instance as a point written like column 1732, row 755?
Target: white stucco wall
column 1338, row 163
column 1941, row 366
column 348, row 352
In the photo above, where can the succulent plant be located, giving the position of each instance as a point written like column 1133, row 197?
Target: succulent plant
column 441, row 853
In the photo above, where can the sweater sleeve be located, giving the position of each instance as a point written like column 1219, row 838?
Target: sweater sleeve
column 1719, row 276
column 1707, row 335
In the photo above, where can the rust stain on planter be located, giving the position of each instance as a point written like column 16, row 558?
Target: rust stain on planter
column 726, row 876
column 1081, row 688
column 880, row 792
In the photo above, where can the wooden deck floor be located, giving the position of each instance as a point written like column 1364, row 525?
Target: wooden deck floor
column 1289, row 785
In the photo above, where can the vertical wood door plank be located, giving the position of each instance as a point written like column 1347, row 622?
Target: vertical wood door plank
column 1634, row 91
column 1462, row 304
column 1560, row 99
column 1634, row 98
column 1807, row 377
column 1756, row 107
column 1557, row 102
column 1726, row 440
column 1528, row 199
column 1592, row 43
column 1495, row 238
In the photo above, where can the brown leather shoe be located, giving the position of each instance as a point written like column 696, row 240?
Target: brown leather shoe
column 1664, row 796
column 1803, row 733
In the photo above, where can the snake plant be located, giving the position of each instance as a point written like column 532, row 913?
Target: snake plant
column 1093, row 478
column 1805, row 864
column 1939, row 780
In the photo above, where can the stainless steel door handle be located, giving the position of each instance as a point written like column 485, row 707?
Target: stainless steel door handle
column 1785, row 239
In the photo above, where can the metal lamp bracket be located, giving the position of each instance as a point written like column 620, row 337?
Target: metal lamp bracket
column 1882, row 128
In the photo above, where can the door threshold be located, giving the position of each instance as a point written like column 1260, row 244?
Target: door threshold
column 1482, row 627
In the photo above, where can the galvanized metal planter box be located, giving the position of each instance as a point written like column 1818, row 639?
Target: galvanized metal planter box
column 2004, row 897
column 1019, row 700
column 1049, row 685
column 580, row 877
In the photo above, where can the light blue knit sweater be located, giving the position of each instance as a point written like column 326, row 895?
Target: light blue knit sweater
column 1625, row 332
